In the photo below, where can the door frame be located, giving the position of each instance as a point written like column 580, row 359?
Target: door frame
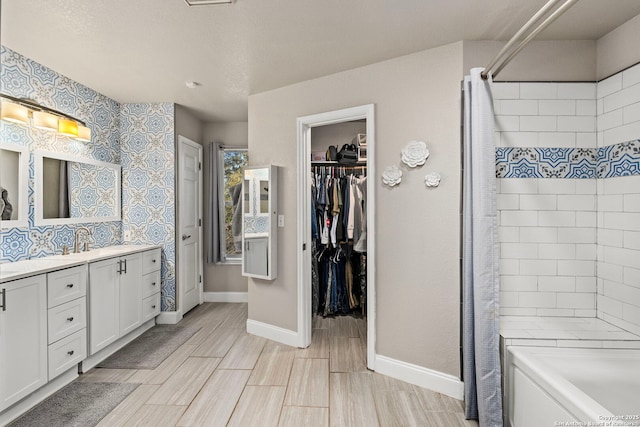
column 304, row 126
column 182, row 141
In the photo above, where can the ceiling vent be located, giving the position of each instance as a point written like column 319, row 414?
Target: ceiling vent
column 205, row 2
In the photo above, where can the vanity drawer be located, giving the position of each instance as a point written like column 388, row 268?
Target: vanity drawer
column 67, row 352
column 66, row 285
column 66, row 319
column 151, row 261
column 150, row 307
column 150, row 284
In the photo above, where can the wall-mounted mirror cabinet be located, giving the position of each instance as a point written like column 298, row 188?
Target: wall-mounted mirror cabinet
column 71, row 190
column 14, row 177
column 259, row 233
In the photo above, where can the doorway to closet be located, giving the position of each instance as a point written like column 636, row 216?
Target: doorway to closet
column 339, row 258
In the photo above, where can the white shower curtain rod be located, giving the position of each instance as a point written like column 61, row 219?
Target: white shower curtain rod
column 489, row 69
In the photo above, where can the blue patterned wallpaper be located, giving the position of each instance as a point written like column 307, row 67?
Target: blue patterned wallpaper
column 607, row 162
column 148, row 175
column 24, row 78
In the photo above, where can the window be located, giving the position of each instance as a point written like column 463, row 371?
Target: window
column 231, row 166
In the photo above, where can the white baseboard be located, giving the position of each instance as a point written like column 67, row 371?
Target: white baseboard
column 168, row 317
column 420, row 376
column 274, row 333
column 226, row 297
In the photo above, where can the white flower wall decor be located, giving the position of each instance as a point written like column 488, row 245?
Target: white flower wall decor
column 415, row 153
column 391, row 176
column 432, row 180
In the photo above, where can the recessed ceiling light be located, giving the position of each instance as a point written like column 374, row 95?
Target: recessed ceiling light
column 203, row 2
column 191, row 84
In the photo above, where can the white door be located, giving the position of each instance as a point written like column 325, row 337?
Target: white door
column 190, row 224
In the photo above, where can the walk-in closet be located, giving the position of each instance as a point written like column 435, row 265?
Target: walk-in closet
column 339, row 227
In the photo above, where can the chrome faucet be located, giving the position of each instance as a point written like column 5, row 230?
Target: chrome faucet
column 76, row 243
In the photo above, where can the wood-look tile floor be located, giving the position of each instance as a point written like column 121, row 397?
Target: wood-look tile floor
column 223, row 376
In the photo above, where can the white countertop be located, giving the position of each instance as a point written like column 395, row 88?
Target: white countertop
column 31, row 267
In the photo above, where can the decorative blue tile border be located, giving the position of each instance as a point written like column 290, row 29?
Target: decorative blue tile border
column 608, row 162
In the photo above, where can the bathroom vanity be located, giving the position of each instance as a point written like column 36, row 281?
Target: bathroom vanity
column 63, row 314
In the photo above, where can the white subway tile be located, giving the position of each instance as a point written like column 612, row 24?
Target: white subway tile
column 556, row 186
column 538, row 90
column 609, row 85
column 519, row 283
column 508, row 202
column 508, row 234
column 622, row 220
column 609, row 120
column 620, row 185
column 557, row 139
column 609, row 237
column 631, row 276
column 576, row 300
column 517, row 312
column 519, row 107
column 507, row 123
column 539, row 123
column 538, row 234
column 530, row 267
column 554, row 107
column 586, row 107
column 627, row 96
column 577, row 203
column 586, row 140
column 534, row 202
column 631, row 313
column 600, row 106
column 585, row 219
column 509, row 266
column 624, row 133
column 625, row 293
column 631, row 113
column 609, row 306
column 632, row 202
column 586, row 284
column 556, row 284
column 537, row 299
column 632, row 241
column 586, row 251
column 631, row 76
column 600, row 285
column 509, row 299
column 577, row 235
column 556, row 219
column 586, row 186
column 497, row 139
column 518, row 186
column 557, row 251
column 519, row 218
column 576, row 91
column 599, row 252
column 585, row 313
column 621, row 256
column 600, row 138
column 600, row 220
column 576, row 268
column 519, row 139
column 575, row 123
column 611, row 203
column 519, row 251
column 505, row 90
column 497, row 104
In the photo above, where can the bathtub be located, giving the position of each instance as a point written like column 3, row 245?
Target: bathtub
column 552, row 386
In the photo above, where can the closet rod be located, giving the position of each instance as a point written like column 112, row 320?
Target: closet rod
column 555, row 15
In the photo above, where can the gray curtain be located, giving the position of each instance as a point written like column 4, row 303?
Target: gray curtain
column 481, row 320
column 213, row 241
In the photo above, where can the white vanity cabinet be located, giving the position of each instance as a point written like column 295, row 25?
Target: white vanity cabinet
column 115, row 294
column 150, row 284
column 23, row 338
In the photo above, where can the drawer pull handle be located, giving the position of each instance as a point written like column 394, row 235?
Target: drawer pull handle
column 3, row 292
column 70, row 352
column 69, row 285
column 153, row 306
column 70, row 319
column 153, row 260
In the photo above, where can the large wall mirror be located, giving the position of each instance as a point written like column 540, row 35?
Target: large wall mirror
column 14, row 173
column 71, row 190
column 259, row 233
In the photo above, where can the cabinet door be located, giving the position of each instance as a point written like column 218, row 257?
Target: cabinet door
column 23, row 339
column 104, row 299
column 131, row 294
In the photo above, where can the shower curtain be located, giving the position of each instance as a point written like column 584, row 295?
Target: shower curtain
column 481, row 328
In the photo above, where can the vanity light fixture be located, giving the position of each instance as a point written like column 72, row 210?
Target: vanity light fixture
column 19, row 111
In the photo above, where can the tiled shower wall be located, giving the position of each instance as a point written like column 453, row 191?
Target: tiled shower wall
column 568, row 159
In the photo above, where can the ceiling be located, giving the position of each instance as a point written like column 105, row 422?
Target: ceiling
column 145, row 50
